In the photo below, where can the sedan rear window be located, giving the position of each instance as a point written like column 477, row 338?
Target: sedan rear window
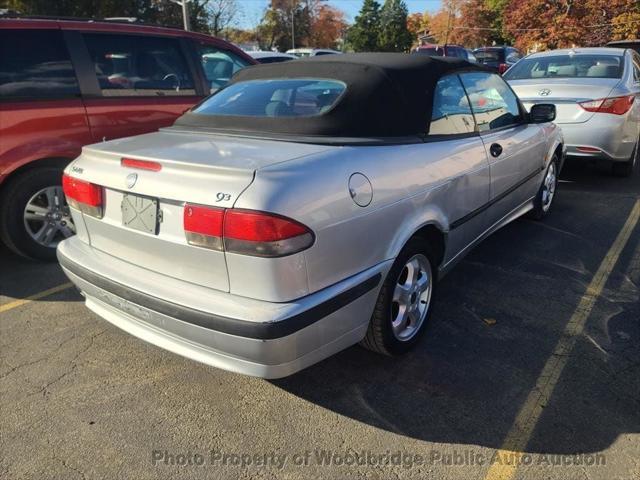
column 493, row 55
column 567, row 66
column 274, row 98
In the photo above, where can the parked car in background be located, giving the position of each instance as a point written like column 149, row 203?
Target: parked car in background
column 597, row 96
column 355, row 183
column 271, row 57
column 312, row 52
column 444, row 51
column 65, row 84
column 470, row 56
column 632, row 44
column 499, row 59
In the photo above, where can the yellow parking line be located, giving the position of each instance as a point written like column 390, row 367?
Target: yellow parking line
column 36, row 296
column 508, row 456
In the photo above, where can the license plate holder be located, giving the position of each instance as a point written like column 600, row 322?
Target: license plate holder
column 140, row 213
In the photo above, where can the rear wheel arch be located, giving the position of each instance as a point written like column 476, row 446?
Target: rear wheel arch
column 47, row 162
column 15, row 192
column 435, row 237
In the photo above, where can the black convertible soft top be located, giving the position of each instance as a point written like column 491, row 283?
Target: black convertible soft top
column 387, row 95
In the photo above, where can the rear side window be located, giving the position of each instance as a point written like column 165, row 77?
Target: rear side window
column 273, row 59
column 451, row 114
column 493, row 103
column 219, row 65
column 136, row 65
column 567, row 66
column 35, row 64
column 275, row 98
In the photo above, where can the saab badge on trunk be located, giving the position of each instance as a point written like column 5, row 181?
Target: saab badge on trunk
column 132, row 178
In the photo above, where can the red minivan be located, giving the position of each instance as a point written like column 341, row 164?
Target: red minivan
column 65, row 84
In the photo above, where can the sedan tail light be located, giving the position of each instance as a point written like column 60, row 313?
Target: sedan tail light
column 247, row 232
column 203, row 226
column 83, row 196
column 503, row 67
column 613, row 105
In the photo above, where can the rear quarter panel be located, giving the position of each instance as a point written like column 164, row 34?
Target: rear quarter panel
column 413, row 185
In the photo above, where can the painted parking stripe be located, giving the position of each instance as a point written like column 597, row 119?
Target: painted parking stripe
column 522, row 429
column 36, row 296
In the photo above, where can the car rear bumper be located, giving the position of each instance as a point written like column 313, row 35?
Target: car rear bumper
column 263, row 339
column 612, row 136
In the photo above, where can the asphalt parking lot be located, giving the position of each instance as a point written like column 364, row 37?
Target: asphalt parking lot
column 530, row 370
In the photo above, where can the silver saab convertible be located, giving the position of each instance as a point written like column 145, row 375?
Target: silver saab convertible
column 305, row 207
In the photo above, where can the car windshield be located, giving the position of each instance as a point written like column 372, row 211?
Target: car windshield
column 301, row 97
column 567, row 66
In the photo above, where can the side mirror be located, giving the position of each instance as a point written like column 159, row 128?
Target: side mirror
column 542, row 113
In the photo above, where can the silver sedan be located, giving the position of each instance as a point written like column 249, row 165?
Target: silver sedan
column 596, row 92
column 306, row 207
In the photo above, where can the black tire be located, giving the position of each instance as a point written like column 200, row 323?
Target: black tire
column 13, row 200
column 380, row 337
column 625, row 169
column 540, row 210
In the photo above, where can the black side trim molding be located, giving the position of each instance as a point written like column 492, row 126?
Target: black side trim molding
column 232, row 326
column 495, row 200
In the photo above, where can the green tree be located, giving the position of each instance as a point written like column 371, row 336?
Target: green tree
column 394, row 34
column 280, row 20
column 363, row 35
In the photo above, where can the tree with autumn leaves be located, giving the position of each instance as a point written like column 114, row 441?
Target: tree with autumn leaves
column 535, row 24
column 300, row 23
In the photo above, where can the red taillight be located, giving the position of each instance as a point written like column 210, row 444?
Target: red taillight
column 503, row 67
column 613, row 105
column 588, row 149
column 83, row 196
column 246, row 232
column 264, row 234
column 203, row 226
column 141, row 164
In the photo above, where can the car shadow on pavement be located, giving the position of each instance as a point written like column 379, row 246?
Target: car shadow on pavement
column 497, row 320
column 21, row 278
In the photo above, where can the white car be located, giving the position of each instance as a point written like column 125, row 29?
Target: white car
column 596, row 92
column 312, row 52
column 271, row 57
column 305, row 207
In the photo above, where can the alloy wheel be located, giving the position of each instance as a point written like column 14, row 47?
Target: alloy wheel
column 411, row 298
column 47, row 218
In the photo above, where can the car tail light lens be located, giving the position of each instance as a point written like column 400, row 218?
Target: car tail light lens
column 141, row 164
column 613, row 105
column 83, row 196
column 588, row 149
column 263, row 234
column 247, row 232
column 203, row 226
column 503, row 67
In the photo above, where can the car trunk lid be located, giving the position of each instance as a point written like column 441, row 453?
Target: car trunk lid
column 565, row 94
column 195, row 168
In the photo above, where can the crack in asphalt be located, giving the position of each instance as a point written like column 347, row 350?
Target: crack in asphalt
column 72, row 364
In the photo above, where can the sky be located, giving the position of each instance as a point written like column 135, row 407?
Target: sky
column 252, row 10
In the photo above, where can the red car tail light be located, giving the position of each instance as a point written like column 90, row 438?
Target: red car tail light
column 203, row 226
column 141, row 164
column 83, row 196
column 264, row 234
column 503, row 67
column 613, row 105
column 588, row 149
column 247, row 232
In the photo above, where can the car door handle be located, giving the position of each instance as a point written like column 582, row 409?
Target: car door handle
column 495, row 149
